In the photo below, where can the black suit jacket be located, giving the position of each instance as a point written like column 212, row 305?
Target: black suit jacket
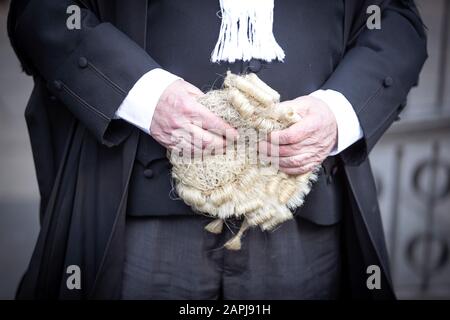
column 84, row 158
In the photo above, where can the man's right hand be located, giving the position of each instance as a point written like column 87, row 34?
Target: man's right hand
column 180, row 122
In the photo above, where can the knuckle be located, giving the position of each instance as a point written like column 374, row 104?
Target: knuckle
column 281, row 151
column 185, row 107
column 294, row 162
column 287, row 138
column 158, row 136
column 206, row 141
column 173, row 123
column 170, row 99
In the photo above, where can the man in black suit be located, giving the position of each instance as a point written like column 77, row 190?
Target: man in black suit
column 108, row 96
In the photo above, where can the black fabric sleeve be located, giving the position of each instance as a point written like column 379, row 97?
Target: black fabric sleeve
column 378, row 71
column 90, row 69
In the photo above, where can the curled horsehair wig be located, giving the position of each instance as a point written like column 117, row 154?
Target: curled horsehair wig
column 233, row 183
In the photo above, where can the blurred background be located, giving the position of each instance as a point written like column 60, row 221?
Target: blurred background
column 411, row 164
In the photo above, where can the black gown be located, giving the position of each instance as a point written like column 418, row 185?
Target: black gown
column 88, row 163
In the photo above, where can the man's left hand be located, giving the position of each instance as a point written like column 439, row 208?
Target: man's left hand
column 304, row 145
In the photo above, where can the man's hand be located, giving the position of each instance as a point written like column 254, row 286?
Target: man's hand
column 180, row 122
column 305, row 144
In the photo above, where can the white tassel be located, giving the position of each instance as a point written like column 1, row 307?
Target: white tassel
column 215, row 226
column 246, row 32
column 235, row 243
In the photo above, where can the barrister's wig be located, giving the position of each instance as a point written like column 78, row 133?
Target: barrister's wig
column 238, row 183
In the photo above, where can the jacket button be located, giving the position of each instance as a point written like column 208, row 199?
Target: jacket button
column 388, row 81
column 254, row 66
column 148, row 173
column 57, row 85
column 82, row 62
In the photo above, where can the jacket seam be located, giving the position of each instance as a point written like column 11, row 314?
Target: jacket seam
column 146, row 28
column 86, row 104
column 114, row 85
column 367, row 103
column 380, row 125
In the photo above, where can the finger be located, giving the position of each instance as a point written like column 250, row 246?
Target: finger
column 263, row 154
column 302, row 105
column 287, row 150
column 299, row 170
column 291, row 171
column 304, row 146
column 209, row 121
column 179, row 135
column 289, row 104
column 196, row 141
column 203, row 138
column 298, row 105
column 268, row 149
column 307, row 146
column 302, row 129
column 286, row 136
column 295, row 161
column 184, row 148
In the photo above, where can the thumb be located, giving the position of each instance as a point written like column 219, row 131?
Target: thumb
column 301, row 105
column 288, row 111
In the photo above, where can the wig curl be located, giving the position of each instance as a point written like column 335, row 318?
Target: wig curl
column 238, row 183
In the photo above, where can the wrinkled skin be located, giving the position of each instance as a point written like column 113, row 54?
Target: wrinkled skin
column 304, row 145
column 181, row 123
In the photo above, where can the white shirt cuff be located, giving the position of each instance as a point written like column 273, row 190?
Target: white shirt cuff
column 348, row 126
column 139, row 105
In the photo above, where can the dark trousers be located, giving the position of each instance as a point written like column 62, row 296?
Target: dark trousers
column 175, row 258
